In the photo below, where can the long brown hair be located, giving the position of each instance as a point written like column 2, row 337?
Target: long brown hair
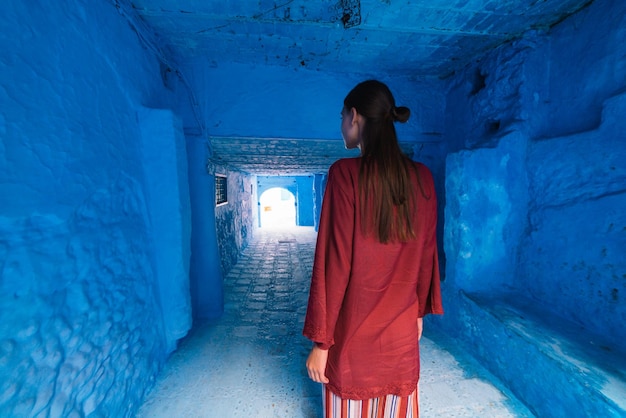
column 385, row 190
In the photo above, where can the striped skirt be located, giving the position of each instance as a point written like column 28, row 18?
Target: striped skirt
column 389, row 406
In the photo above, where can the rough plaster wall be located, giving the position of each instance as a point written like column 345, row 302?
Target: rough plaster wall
column 571, row 74
column 484, row 101
column 485, row 215
column 534, row 213
column 80, row 330
column 508, row 94
column 575, row 250
column 80, row 327
column 236, row 220
column 576, row 242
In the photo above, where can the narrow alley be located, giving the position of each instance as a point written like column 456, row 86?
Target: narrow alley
column 250, row 362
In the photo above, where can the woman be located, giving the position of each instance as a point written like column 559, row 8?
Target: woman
column 375, row 272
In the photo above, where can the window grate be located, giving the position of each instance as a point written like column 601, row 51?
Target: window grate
column 221, row 190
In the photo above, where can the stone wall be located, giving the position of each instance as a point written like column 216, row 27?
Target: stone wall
column 235, row 220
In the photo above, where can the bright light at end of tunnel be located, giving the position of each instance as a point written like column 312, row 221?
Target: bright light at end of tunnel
column 278, row 208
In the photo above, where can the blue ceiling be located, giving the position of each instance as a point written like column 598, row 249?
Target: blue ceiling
column 417, row 37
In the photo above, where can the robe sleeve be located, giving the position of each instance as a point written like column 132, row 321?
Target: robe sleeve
column 333, row 257
column 429, row 282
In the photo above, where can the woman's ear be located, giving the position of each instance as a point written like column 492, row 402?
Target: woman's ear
column 354, row 115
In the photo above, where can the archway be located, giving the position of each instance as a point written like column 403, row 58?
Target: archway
column 278, row 208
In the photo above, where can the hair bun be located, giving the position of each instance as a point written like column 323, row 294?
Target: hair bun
column 401, row 113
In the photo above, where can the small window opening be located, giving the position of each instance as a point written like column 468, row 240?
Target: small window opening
column 221, row 190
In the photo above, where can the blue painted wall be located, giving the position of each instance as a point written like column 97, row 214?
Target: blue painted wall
column 304, row 201
column 164, row 157
column 206, row 280
column 523, row 199
column 94, row 213
column 275, row 102
column 319, row 185
column 535, row 231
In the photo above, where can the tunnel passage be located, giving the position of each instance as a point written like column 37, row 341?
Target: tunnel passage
column 105, row 112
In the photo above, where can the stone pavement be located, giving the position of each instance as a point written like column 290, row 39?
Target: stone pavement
column 250, row 362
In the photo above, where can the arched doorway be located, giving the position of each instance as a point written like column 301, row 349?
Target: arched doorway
column 278, row 208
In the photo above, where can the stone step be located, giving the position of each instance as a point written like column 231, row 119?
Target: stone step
column 558, row 368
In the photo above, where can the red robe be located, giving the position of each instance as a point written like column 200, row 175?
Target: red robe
column 365, row 296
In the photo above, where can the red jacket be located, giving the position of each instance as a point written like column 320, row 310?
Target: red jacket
column 365, row 296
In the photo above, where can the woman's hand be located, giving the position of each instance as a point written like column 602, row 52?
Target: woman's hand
column 316, row 364
column 420, row 328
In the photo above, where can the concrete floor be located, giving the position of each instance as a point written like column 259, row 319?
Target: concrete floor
column 250, row 362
